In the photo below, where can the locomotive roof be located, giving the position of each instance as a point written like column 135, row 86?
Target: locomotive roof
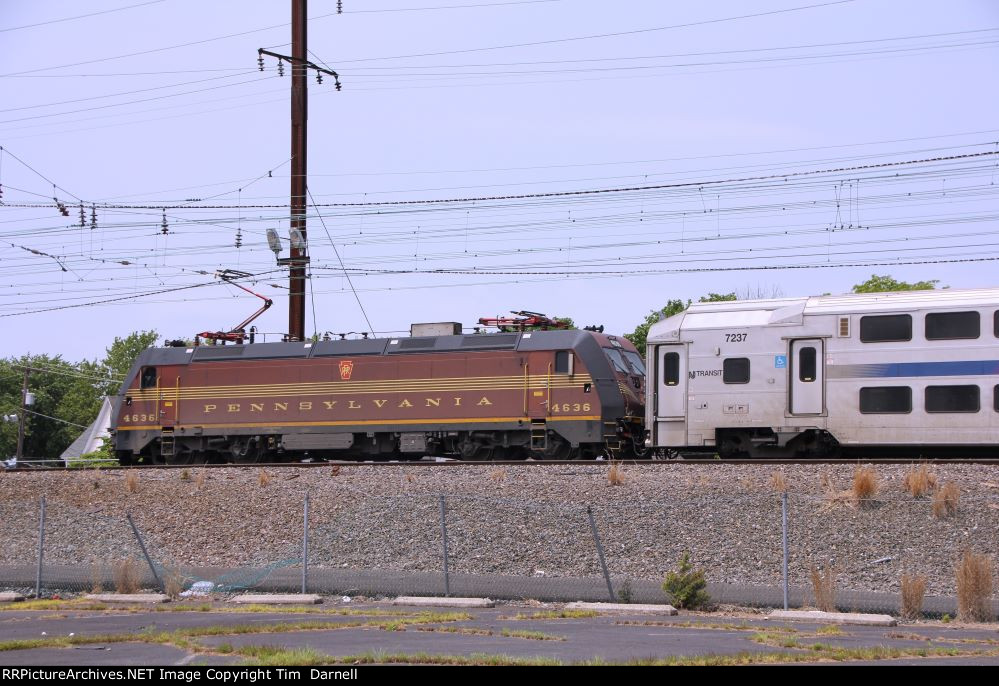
column 729, row 313
column 526, row 341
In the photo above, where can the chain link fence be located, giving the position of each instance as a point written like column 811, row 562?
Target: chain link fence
column 834, row 552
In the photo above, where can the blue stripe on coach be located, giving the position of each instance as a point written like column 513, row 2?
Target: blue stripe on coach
column 910, row 369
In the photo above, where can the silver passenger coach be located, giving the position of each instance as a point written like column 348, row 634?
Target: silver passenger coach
column 807, row 376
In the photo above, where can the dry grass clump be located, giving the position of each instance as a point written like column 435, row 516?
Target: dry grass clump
column 779, row 482
column 132, row 482
column 865, row 486
column 913, row 590
column 96, row 579
column 410, row 478
column 919, row 482
column 335, row 470
column 615, row 475
column 974, row 587
column 498, row 475
column 264, row 478
column 199, row 481
column 185, row 475
column 125, row 574
column 945, row 500
column 824, row 588
column 173, row 583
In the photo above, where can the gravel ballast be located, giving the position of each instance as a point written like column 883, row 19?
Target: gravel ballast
column 513, row 520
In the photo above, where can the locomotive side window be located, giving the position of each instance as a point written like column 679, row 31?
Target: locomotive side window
column 563, row 362
column 888, row 327
column 886, row 400
column 952, row 399
column 942, row 326
column 735, row 370
column 148, row 379
column 806, row 364
column 671, row 369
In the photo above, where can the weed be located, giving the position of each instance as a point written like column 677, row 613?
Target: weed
column 624, row 593
column 945, row 500
column 919, row 482
column 685, row 586
column 556, row 614
column 410, row 478
column 498, row 475
column 974, row 587
column 199, row 481
column 913, row 590
column 96, row 579
column 125, row 573
column 946, row 619
column 778, row 482
column 615, row 475
column 185, row 475
column 132, row 482
column 865, row 486
column 530, row 635
column 824, row 588
column 173, row 583
column 264, row 478
column 829, row 630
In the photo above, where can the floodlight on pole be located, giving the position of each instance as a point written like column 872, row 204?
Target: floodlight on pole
column 297, row 240
column 274, row 241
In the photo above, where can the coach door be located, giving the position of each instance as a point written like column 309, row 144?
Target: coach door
column 807, row 375
column 671, row 395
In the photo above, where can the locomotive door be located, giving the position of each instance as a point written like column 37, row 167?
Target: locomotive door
column 807, row 374
column 671, row 395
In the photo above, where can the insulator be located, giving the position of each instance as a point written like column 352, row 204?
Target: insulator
column 239, row 238
column 280, row 67
column 339, row 6
column 83, row 217
column 1, row 192
column 319, row 77
column 164, row 227
column 260, row 62
column 338, row 86
column 93, row 217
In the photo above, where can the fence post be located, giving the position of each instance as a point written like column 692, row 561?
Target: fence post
column 447, row 576
column 783, row 526
column 145, row 553
column 305, row 546
column 41, row 547
column 600, row 553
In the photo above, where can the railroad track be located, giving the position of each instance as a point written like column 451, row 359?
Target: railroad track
column 990, row 460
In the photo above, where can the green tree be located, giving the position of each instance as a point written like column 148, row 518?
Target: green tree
column 884, row 284
column 639, row 336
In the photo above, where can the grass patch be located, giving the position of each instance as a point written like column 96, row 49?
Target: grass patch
column 530, row 635
column 865, row 486
column 830, row 630
column 974, row 587
column 919, row 482
column 556, row 614
column 913, row 591
column 824, row 588
column 779, row 482
column 75, row 604
column 946, row 500
column 695, row 625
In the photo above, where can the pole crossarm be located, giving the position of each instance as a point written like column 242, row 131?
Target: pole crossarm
column 302, row 63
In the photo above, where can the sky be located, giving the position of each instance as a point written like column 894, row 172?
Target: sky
column 583, row 159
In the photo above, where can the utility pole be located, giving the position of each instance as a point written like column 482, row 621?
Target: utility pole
column 299, row 165
column 300, row 66
column 24, row 415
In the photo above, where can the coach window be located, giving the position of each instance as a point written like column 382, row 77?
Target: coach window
column 942, row 326
column 735, row 370
column 888, row 327
column 148, row 379
column 886, row 400
column 995, row 398
column 952, row 399
column 806, row 364
column 995, row 323
column 671, row 369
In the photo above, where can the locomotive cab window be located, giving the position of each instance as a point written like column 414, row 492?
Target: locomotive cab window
column 888, row 327
column 671, row 369
column 944, row 326
column 735, row 370
column 615, row 357
column 806, row 364
column 148, row 378
column 563, row 362
column 886, row 400
column 952, row 399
